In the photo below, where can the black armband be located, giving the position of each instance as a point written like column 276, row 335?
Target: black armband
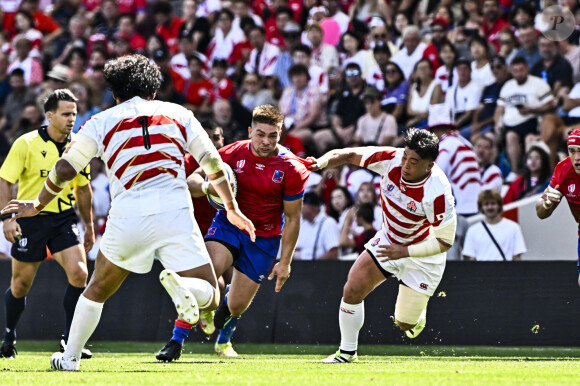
column 6, row 216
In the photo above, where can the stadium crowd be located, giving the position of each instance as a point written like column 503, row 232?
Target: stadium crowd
column 343, row 73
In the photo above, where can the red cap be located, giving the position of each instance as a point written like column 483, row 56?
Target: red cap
column 574, row 138
column 440, row 21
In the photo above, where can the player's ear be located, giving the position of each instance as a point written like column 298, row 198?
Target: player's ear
column 249, row 131
column 430, row 165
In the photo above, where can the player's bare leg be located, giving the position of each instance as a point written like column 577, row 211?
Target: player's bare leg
column 363, row 277
column 106, row 280
column 23, row 274
column 236, row 302
column 74, row 262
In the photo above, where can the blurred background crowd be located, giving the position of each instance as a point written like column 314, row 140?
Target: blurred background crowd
column 343, row 72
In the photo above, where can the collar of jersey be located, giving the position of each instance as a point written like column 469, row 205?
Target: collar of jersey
column 416, row 184
column 43, row 132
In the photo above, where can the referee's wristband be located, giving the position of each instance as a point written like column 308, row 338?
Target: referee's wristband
column 6, row 216
column 38, row 206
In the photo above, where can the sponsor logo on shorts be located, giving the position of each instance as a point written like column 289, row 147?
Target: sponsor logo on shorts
column 211, row 231
column 375, row 242
column 423, row 286
column 278, row 176
column 22, row 245
column 262, row 277
column 346, row 311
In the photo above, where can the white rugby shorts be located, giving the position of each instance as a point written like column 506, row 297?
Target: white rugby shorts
column 421, row 274
column 173, row 237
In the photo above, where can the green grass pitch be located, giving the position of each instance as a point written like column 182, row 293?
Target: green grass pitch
column 124, row 363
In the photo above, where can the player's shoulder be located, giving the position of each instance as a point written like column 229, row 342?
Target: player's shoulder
column 289, row 160
column 437, row 183
column 563, row 168
column 27, row 138
column 235, row 147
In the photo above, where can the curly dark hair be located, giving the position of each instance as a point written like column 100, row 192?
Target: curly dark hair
column 132, row 75
column 423, row 142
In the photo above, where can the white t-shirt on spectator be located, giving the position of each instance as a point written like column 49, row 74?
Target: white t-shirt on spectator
column 575, row 94
column 442, row 76
column 322, row 232
column 207, row 7
column 508, row 235
column 461, row 99
column 407, row 62
column 534, row 92
column 482, row 75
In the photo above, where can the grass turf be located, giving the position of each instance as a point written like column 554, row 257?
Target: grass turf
column 129, row 363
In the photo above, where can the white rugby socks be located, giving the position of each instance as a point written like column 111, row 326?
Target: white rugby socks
column 350, row 318
column 201, row 289
column 85, row 320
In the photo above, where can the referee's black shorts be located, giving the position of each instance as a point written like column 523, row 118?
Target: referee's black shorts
column 56, row 231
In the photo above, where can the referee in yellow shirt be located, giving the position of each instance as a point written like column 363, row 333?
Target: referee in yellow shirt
column 30, row 159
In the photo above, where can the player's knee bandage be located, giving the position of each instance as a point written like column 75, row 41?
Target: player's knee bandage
column 410, row 304
column 80, row 152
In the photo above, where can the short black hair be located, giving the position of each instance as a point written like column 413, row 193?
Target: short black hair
column 422, row 142
column 284, row 9
column 132, row 75
column 220, row 63
column 302, row 48
column 298, row 69
column 17, row 72
column 227, row 12
column 519, row 60
column 52, row 100
column 162, row 7
column 366, row 211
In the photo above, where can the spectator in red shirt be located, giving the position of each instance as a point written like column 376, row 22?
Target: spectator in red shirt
column 223, row 87
column 439, row 29
column 275, row 25
column 127, row 31
column 168, row 26
column 42, row 22
column 492, row 22
column 198, row 90
column 161, row 58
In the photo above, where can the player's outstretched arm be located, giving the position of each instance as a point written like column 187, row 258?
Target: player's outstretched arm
column 195, row 182
column 548, row 202
column 337, row 157
column 292, row 212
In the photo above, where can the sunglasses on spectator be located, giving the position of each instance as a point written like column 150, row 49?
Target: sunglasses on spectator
column 350, row 73
column 379, row 36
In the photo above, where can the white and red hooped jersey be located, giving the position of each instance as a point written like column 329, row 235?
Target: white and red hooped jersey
column 491, row 178
column 458, row 162
column 410, row 210
column 145, row 181
column 267, row 60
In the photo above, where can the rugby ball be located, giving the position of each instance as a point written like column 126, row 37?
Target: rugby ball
column 216, row 201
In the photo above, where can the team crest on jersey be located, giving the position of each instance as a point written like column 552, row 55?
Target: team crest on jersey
column 211, row 231
column 411, row 206
column 278, row 176
column 571, row 188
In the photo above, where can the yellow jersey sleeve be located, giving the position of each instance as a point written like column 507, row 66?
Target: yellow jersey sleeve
column 15, row 162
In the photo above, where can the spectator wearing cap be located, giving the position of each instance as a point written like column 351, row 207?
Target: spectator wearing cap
column 318, row 238
column 553, row 68
column 318, row 78
column 375, row 128
column 274, row 26
column 197, row 28
column 351, row 50
column 522, row 100
column 493, row 23
column 529, row 50
column 58, row 76
column 425, row 91
column 345, row 110
column 291, row 34
column 457, row 160
column 463, row 98
column 43, row 22
column 302, row 105
column 439, row 28
column 446, row 74
column 323, row 55
column 127, row 31
column 480, row 66
column 168, row 26
column 483, row 118
column 382, row 55
column 263, row 56
column 411, row 52
column 225, row 38
column 335, row 12
column 31, row 66
column 485, row 147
